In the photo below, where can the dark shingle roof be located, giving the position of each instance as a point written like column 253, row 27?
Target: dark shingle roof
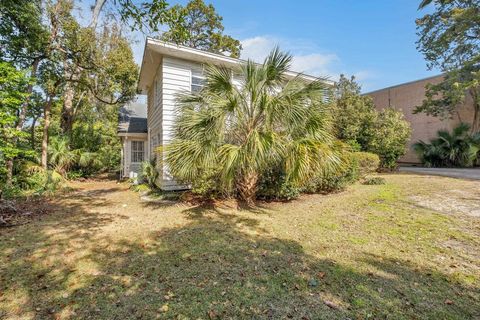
column 132, row 118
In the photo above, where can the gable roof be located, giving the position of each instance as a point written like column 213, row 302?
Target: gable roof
column 155, row 49
column 132, row 118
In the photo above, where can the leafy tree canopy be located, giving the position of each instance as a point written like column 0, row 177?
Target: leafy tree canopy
column 204, row 29
column 354, row 113
column 449, row 38
column 12, row 94
column 358, row 123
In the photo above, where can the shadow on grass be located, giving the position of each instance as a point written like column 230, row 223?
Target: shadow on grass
column 207, row 268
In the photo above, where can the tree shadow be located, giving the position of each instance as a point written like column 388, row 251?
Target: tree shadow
column 208, row 267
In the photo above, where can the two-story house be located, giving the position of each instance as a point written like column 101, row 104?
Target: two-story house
column 166, row 70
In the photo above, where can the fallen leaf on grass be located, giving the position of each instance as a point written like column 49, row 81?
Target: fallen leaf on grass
column 330, row 304
column 212, row 314
column 164, row 308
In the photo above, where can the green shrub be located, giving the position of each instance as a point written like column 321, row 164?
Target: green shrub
column 207, row 185
column 361, row 126
column 273, row 185
column 140, row 188
column 76, row 174
column 332, row 183
column 149, row 173
column 392, row 132
column 367, row 163
column 374, row 181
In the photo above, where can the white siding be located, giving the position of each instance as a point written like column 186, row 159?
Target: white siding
column 173, row 77
column 176, row 78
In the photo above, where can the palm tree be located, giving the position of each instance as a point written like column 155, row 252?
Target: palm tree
column 60, row 157
column 456, row 149
column 238, row 130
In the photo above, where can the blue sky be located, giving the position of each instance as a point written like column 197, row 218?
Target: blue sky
column 371, row 39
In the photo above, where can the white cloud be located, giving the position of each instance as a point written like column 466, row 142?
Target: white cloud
column 257, row 48
column 363, row 75
column 314, row 63
column 307, row 58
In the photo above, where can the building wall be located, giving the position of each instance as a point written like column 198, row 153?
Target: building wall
column 173, row 76
column 406, row 97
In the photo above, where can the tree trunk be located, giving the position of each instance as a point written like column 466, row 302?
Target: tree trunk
column 96, row 12
column 247, row 187
column 476, row 111
column 21, row 119
column 476, row 117
column 67, row 112
column 9, row 166
column 46, row 125
column 32, row 132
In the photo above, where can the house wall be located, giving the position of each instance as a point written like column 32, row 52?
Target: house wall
column 406, row 97
column 154, row 113
column 173, row 76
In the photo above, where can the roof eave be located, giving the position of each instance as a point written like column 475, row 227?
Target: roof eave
column 169, row 49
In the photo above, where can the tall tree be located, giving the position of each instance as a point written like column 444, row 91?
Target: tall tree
column 24, row 41
column 449, row 38
column 354, row 113
column 204, row 29
column 146, row 16
column 13, row 85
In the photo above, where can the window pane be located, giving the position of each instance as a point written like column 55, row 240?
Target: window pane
column 199, row 81
column 137, row 151
column 196, row 88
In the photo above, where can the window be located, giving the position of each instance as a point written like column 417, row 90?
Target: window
column 198, row 81
column 138, row 151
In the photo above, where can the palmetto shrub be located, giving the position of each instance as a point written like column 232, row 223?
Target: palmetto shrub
column 456, row 149
column 242, row 130
column 149, row 173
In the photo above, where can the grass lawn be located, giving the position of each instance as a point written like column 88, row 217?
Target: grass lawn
column 409, row 249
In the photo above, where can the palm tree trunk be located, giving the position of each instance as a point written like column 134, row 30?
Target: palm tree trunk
column 247, row 187
column 46, row 126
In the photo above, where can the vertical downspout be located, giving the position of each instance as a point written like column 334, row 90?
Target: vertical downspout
column 125, row 145
column 122, row 160
column 149, row 155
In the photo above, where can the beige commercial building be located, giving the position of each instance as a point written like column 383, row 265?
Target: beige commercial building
column 406, row 97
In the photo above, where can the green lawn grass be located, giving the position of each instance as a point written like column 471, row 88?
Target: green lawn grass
column 370, row 252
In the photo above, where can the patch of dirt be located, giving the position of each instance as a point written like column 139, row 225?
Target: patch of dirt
column 451, row 202
column 14, row 213
column 463, row 247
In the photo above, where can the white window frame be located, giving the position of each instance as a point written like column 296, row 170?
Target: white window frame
column 196, row 74
column 135, row 151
